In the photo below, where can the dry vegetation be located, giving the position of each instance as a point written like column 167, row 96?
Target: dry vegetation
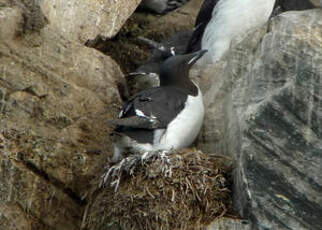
column 179, row 190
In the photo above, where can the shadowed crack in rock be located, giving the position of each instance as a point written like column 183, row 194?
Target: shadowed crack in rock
column 54, row 181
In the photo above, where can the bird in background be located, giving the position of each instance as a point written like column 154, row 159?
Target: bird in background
column 220, row 21
column 147, row 74
column 229, row 19
column 161, row 6
column 162, row 118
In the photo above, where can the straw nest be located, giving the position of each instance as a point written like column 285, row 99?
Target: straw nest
column 179, row 190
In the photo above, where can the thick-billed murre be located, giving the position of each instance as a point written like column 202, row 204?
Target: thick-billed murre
column 202, row 20
column 232, row 14
column 231, row 18
column 175, row 45
column 165, row 117
column 147, row 74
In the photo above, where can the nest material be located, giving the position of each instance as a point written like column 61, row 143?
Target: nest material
column 179, row 190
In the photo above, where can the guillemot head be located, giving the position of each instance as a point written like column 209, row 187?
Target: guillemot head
column 147, row 75
column 163, row 50
column 175, row 45
column 175, row 70
column 160, row 53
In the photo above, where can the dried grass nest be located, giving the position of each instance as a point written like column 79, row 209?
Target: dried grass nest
column 184, row 189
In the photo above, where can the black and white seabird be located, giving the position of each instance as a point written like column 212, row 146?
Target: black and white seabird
column 162, row 6
column 231, row 18
column 147, row 74
column 220, row 21
column 162, row 118
column 175, row 45
column 202, row 20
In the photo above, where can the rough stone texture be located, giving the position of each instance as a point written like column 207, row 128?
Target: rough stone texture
column 317, row 2
column 224, row 223
column 216, row 82
column 54, row 97
column 264, row 109
column 85, row 20
column 31, row 202
column 181, row 19
column 10, row 19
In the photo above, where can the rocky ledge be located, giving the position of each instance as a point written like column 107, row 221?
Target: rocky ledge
column 263, row 100
column 264, row 103
column 54, row 96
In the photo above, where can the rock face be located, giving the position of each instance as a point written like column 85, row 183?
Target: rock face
column 229, row 224
column 264, row 103
column 85, row 20
column 179, row 20
column 10, row 19
column 263, row 100
column 55, row 94
column 317, row 2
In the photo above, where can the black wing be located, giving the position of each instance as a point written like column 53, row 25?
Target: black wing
column 205, row 12
column 203, row 17
column 152, row 108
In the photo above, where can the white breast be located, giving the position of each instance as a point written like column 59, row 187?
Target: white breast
column 184, row 129
column 180, row 132
column 231, row 18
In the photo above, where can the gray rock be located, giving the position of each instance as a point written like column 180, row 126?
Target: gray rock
column 278, row 127
column 317, row 2
column 53, row 103
column 55, row 94
column 225, row 223
column 264, row 109
column 83, row 21
column 11, row 22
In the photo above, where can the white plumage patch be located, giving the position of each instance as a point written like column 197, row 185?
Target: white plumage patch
column 180, row 132
column 139, row 113
column 120, row 114
column 173, row 51
column 183, row 130
column 231, row 18
column 192, row 59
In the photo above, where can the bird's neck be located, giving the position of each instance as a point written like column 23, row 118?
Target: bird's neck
column 185, row 84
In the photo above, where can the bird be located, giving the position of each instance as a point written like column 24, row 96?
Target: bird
column 161, row 118
column 202, row 20
column 147, row 74
column 175, row 45
column 220, row 21
column 161, row 6
column 231, row 18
